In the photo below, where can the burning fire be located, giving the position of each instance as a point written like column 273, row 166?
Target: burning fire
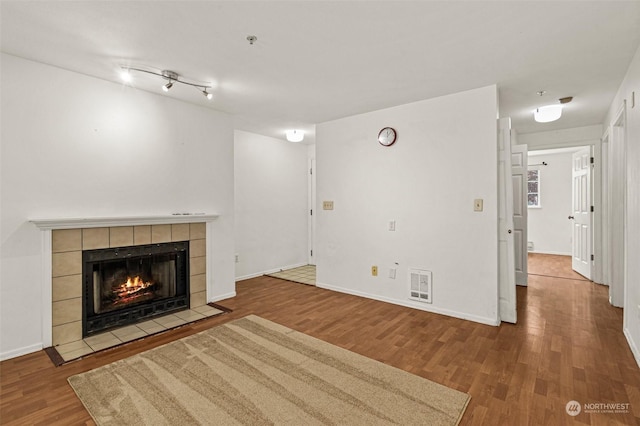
column 132, row 287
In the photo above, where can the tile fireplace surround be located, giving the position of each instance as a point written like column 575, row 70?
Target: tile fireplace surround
column 65, row 239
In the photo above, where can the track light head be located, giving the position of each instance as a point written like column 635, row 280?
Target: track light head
column 207, row 94
column 167, row 86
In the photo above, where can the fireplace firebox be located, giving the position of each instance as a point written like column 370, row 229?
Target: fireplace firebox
column 126, row 285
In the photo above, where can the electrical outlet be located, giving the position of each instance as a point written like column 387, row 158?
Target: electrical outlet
column 374, row 271
column 327, row 205
column 392, row 225
column 237, row 258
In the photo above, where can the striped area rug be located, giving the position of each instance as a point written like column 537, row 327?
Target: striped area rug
column 254, row 372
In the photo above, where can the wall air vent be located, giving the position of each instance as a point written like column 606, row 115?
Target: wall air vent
column 420, row 282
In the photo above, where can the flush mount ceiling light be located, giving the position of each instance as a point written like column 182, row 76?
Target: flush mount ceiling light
column 551, row 112
column 547, row 113
column 295, row 135
column 172, row 76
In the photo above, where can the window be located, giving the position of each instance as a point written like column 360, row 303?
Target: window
column 533, row 188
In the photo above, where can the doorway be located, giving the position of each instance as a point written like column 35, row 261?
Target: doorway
column 553, row 243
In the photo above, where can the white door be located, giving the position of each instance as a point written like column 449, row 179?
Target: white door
column 312, row 210
column 581, row 215
column 506, row 269
column 519, row 163
column 617, row 208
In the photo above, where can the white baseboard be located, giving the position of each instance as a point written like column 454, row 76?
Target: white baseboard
column 632, row 345
column 222, row 297
column 21, row 351
column 270, row 271
column 414, row 305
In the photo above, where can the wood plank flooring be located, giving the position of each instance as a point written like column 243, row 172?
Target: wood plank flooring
column 567, row 345
column 552, row 265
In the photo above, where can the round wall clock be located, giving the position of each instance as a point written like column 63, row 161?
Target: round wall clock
column 387, row 136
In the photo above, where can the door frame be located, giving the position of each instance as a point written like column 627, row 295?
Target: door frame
column 597, row 197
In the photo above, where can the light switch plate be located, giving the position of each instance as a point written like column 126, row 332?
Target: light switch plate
column 478, row 205
column 327, row 205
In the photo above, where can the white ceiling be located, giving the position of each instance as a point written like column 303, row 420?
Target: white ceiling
column 316, row 61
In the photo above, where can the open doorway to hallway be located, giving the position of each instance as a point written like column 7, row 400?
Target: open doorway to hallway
column 556, row 235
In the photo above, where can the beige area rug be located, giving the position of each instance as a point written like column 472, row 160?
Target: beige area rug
column 254, row 372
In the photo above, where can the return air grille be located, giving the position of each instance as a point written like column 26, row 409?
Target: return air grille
column 420, row 285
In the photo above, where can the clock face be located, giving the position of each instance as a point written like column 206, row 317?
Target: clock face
column 387, row 136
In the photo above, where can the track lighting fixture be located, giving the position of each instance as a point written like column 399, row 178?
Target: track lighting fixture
column 172, row 76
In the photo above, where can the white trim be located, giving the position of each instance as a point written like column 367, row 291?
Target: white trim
column 47, row 290
column 105, row 222
column 270, row 271
column 415, row 305
column 223, row 297
column 632, row 345
column 21, row 351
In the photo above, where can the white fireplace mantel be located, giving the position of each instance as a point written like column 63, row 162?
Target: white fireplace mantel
column 100, row 222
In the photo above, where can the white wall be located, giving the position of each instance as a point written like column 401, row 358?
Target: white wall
column 445, row 157
column 630, row 84
column 76, row 146
column 271, row 196
column 549, row 227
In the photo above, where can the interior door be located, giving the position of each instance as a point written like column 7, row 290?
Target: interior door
column 312, row 210
column 617, row 209
column 519, row 163
column 581, row 214
column 506, row 267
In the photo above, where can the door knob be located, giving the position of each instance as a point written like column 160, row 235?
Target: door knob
column 509, row 231
column 571, row 217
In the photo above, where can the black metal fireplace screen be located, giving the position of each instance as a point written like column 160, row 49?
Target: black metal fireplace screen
column 126, row 285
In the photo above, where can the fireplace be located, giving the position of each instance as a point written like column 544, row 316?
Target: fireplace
column 127, row 285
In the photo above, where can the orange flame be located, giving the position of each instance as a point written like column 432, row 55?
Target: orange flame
column 133, row 285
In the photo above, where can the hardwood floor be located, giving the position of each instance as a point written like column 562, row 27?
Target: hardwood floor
column 552, row 265
column 568, row 345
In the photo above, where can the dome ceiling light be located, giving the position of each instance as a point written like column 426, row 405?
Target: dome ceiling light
column 295, row 135
column 549, row 113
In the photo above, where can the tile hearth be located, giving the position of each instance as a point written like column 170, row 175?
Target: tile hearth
column 109, row 339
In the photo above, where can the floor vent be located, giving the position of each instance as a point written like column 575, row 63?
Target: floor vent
column 420, row 285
